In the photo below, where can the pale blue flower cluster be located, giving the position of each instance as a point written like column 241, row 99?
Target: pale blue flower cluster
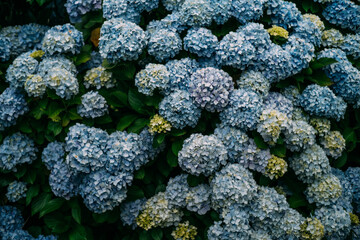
column 93, row 105
column 202, row 154
column 164, row 43
column 343, row 13
column 130, row 211
column 211, row 88
column 351, row 45
column 62, row 39
column 201, row 42
column 346, row 198
column 196, row 13
column 254, row 81
column 22, row 66
column 153, row 77
column 283, row 13
column 321, row 102
column 198, row 199
column 5, row 48
column 176, row 191
column 16, row 191
column 352, row 174
column 180, row 72
column 15, row 150
column 52, row 154
column 77, row 8
column 121, row 40
column 12, row 106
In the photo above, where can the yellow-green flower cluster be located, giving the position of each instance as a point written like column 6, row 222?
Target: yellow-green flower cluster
column 354, row 219
column 332, row 38
column 98, row 77
column 276, row 167
column 316, row 20
column 277, row 31
column 158, row 124
column 321, row 125
column 333, row 144
column 184, row 231
column 37, row 54
column 271, row 123
column 312, row 229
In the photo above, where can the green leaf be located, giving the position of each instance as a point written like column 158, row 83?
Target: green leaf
column 136, row 101
column 76, row 212
column 193, row 181
column 306, row 5
column 350, row 138
column 322, row 62
column 57, row 223
column 320, row 78
column 51, row 206
column 138, row 125
column 73, row 115
column 159, row 138
column 30, row 176
column 82, row 58
column 103, row 120
column 55, row 127
column 279, row 150
column 40, row 202
column 341, row 161
column 214, row 216
column 264, row 181
column 78, row 233
column 140, row 174
column 41, row 2
column 32, row 192
column 157, row 234
column 297, row 200
column 121, row 97
column 54, row 110
column 25, row 127
column 144, row 236
column 20, row 172
column 177, row 146
column 107, row 65
column 126, row 121
column 178, row 132
column 135, row 192
column 171, row 159
column 259, row 141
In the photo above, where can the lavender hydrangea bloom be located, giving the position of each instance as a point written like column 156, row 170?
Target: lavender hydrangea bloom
column 176, row 191
column 154, row 76
column 164, row 44
column 202, row 154
column 311, row 164
column 11, row 219
column 77, row 8
column 245, row 11
column 343, row 13
column 86, row 147
column 121, row 40
column 254, row 81
column 198, row 199
column 180, row 72
column 196, row 13
column 102, row 191
column 20, row 69
column 15, row 150
column 210, row 88
column 64, row 181
column 284, row 14
column 322, row 102
column 235, row 51
column 12, row 105
column 243, row 110
column 232, row 184
column 130, row 211
column 179, row 109
column 201, row 42
column 62, row 39
column 53, row 153
column 16, row 191
column 336, row 222
column 93, row 105
column 5, row 48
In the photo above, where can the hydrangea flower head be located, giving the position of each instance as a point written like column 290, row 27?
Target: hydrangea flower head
column 196, row 13
column 11, row 219
column 324, row 191
column 277, row 31
column 254, row 81
column 164, row 44
column 312, row 229
column 93, row 105
column 184, row 231
column 201, row 42
column 198, row 199
column 332, row 38
column 180, row 72
column 5, row 48
column 16, row 191
column 53, row 153
column 154, row 76
column 64, row 181
column 276, row 167
column 271, row 124
column 76, row 9
column 98, row 77
column 176, row 191
column 130, row 211
column 35, row 85
column 158, row 124
column 333, row 144
column 299, row 135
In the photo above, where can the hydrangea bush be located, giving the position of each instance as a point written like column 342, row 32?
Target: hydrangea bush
column 180, row 119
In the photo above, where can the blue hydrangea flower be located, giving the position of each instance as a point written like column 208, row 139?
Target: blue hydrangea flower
column 272, row 123
column 257, row 35
column 172, row 5
column 12, row 33
column 210, row 88
column 322, row 102
column 346, row 197
column 86, row 147
column 15, row 150
column 299, row 135
column 348, row 89
column 176, row 191
column 164, row 44
column 154, row 76
column 12, row 105
column 246, row 11
column 180, row 72
column 179, row 109
column 254, row 81
column 308, row 31
column 35, row 85
column 254, row 158
column 170, row 22
column 95, row 61
column 64, row 181
column 98, row 77
column 147, row 151
column 289, row 226
column 17, row 234
column 77, row 8
column 198, row 199
column 48, row 237
column 196, row 13
column 343, row 13
column 324, row 191
column 48, row 64
column 235, row 50
column 62, row 39
column 332, row 38
column 353, row 176
column 144, row 5
column 120, row 9
column 63, row 82
column 283, row 13
column 311, row 164
column 102, row 191
column 202, row 154
column 16, row 191
column 221, row 10
column 93, row 105
column 220, row 231
column 351, row 45
column 53, row 153
column 20, row 69
column 243, row 110
column 130, row 210
column 333, row 143
column 11, row 219
column 201, row 42
column 121, row 40
column 5, row 48
column 279, row 102
column 232, row 184
column 336, row 221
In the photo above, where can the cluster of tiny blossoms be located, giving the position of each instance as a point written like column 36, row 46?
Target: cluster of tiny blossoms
column 258, row 129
